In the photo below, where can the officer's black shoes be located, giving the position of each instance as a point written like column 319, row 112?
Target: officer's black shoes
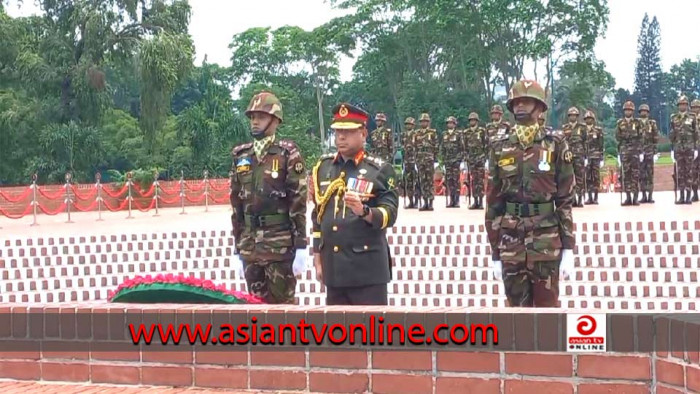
column 649, row 199
column 681, row 200
column 590, row 199
column 644, row 199
column 430, row 204
column 475, row 204
column 425, row 205
column 688, row 197
column 695, row 195
column 411, row 203
column 634, row 199
column 595, row 198
column 628, row 201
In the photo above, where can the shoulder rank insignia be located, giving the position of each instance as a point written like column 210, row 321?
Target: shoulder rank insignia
column 568, row 156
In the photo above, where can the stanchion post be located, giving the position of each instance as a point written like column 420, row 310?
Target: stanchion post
column 69, row 200
column 129, row 175
column 182, row 192
column 98, row 185
column 230, row 186
column 206, row 190
column 155, row 191
column 35, row 202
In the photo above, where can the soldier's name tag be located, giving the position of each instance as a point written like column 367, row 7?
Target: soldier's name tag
column 507, row 161
column 243, row 165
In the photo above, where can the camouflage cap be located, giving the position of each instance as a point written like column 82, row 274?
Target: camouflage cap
column 526, row 88
column 410, row 120
column 683, row 99
column 497, row 109
column 643, row 107
column 473, row 116
column 573, row 111
column 695, row 103
column 424, row 116
column 380, row 116
column 628, row 105
column 451, row 119
column 589, row 115
column 265, row 102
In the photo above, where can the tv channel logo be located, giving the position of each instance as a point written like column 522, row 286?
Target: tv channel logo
column 586, row 333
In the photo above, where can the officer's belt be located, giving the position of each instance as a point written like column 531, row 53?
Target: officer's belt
column 262, row 221
column 526, row 210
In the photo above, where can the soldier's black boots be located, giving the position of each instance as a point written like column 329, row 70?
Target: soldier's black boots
column 411, row 203
column 430, row 205
column 688, row 197
column 695, row 195
column 649, row 199
column 475, row 204
column 481, row 203
column 681, row 200
column 590, row 199
column 644, row 198
column 634, row 199
column 456, row 197
column 425, row 205
column 595, row 197
column 628, row 201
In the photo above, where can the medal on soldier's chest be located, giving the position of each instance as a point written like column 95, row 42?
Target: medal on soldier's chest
column 275, row 169
column 362, row 173
column 545, row 159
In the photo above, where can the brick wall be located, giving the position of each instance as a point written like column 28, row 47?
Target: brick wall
column 673, row 367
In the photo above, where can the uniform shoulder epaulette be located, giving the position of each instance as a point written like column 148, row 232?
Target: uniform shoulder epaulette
column 289, row 145
column 619, row 121
column 374, row 161
column 240, row 148
column 326, row 156
column 505, row 123
column 432, row 130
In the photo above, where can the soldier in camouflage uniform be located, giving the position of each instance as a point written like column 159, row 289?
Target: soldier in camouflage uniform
column 410, row 169
column 629, row 147
column 529, row 197
column 650, row 137
column 475, row 148
column 426, row 143
column 684, row 138
column 452, row 154
column 268, row 195
column 595, row 149
column 695, row 108
column 382, row 140
column 575, row 134
column 497, row 128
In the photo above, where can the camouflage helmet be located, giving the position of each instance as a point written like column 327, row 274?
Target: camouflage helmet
column 265, row 102
column 410, row 120
column 628, row 105
column 497, row 109
column 424, row 116
column 683, row 99
column 589, row 114
column 380, row 116
column 451, row 119
column 643, row 107
column 573, row 111
column 526, row 88
column 695, row 103
column 474, row 116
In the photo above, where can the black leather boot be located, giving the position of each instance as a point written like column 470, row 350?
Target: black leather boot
column 628, row 201
column 681, row 198
column 595, row 197
column 695, row 195
column 457, row 196
column 649, row 199
column 425, row 205
column 430, row 204
column 411, row 203
column 688, row 197
column 634, row 199
column 590, row 199
column 644, row 198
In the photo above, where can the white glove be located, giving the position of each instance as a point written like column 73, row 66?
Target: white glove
column 619, row 162
column 695, row 155
column 673, row 156
column 238, row 265
column 656, row 157
column 585, row 162
column 602, row 163
column 641, row 157
column 435, row 165
column 486, row 164
column 300, row 258
column 497, row 269
column 566, row 268
column 462, row 165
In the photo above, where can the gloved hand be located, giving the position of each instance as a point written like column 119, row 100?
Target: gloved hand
column 695, row 155
column 497, row 269
column 641, row 157
column 299, row 264
column 585, row 162
column 656, row 157
column 462, row 165
column 435, row 165
column 619, row 162
column 673, row 156
column 238, row 265
column 566, row 268
column 602, row 163
column 486, row 165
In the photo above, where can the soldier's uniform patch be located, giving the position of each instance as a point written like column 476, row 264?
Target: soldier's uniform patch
column 568, row 156
column 506, row 161
column 299, row 167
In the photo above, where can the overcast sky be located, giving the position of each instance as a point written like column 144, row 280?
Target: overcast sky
column 214, row 22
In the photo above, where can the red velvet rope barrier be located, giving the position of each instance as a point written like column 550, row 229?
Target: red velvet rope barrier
column 26, row 212
column 149, row 193
column 196, row 199
column 165, row 201
column 59, row 194
column 60, row 209
column 90, row 207
column 117, row 194
column 148, row 208
column 120, row 207
column 222, row 200
column 17, row 199
column 164, row 190
column 223, row 186
column 194, row 188
column 91, row 193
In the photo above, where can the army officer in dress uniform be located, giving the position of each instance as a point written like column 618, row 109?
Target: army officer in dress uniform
column 356, row 200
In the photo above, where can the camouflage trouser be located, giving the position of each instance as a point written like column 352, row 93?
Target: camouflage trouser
column 630, row 172
column 426, row 173
column 452, row 176
column 593, row 175
column 696, row 172
column 476, row 171
column 646, row 174
column 411, row 179
column 684, row 168
column 273, row 281
column 579, row 171
column 531, row 284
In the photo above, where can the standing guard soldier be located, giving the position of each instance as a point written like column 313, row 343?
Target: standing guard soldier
column 410, row 169
column 452, row 153
column 268, row 195
column 595, row 155
column 650, row 137
column 529, row 196
column 498, row 128
column 382, row 140
column 475, row 145
column 629, row 147
column 426, row 156
column 575, row 134
column 684, row 138
column 695, row 108
column 356, row 200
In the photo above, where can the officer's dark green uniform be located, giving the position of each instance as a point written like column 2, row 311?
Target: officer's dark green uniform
column 355, row 254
